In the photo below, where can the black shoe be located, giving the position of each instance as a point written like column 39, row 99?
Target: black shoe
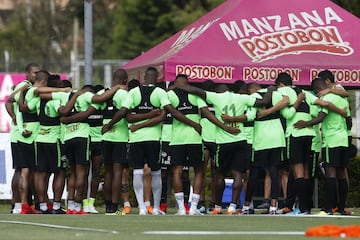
column 46, row 211
column 58, row 211
column 342, row 212
column 264, row 205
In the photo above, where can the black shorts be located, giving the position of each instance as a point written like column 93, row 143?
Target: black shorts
column 96, row 149
column 299, row 149
column 142, row 153
column 48, row 157
column 187, row 155
column 335, row 157
column 26, row 155
column 268, row 157
column 15, row 153
column 78, row 151
column 231, row 156
column 211, row 147
column 313, row 164
column 115, row 152
column 248, row 155
column 165, row 155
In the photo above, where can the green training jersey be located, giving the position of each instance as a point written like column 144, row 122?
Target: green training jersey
column 208, row 129
column 231, row 104
column 119, row 132
column 80, row 129
column 14, row 131
column 334, row 129
column 268, row 131
column 189, row 105
column 166, row 128
column 316, row 141
column 95, row 121
column 249, row 124
column 30, row 120
column 49, row 129
column 142, row 100
column 63, row 97
column 302, row 113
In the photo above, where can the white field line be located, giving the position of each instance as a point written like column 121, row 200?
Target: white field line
column 60, row 226
column 277, row 233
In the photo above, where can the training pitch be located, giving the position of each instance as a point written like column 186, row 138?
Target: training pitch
column 99, row 226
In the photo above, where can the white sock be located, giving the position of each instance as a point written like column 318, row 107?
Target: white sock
column 232, row 206
column 251, row 204
column 147, row 203
column 246, row 208
column 272, row 209
column 218, row 207
column 195, row 200
column 56, row 205
column 77, row 206
column 17, row 205
column 179, row 197
column 71, row 204
column 156, row 186
column 139, row 187
column 43, row 206
column 127, row 204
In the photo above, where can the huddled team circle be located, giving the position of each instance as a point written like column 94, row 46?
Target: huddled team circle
column 156, row 129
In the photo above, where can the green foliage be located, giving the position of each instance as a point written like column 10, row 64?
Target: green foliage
column 122, row 29
column 36, row 33
column 354, row 187
column 142, row 24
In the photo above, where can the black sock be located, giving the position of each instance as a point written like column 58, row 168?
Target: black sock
column 114, row 207
column 301, row 191
column 108, row 205
column 330, row 194
column 343, row 192
column 290, row 192
column 310, row 192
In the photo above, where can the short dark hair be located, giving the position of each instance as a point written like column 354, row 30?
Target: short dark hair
column 31, row 65
column 66, row 83
column 42, row 75
column 209, row 85
column 239, row 85
column 121, row 75
column 53, row 80
column 98, row 88
column 182, row 76
column 90, row 87
column 327, row 74
column 151, row 74
column 284, row 78
column 318, row 83
column 133, row 83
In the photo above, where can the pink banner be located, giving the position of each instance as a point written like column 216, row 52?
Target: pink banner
column 7, row 81
column 255, row 40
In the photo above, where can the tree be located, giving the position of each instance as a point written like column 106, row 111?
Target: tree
column 37, row 32
column 143, row 24
column 350, row 5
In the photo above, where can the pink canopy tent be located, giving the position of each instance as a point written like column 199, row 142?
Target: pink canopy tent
column 255, row 40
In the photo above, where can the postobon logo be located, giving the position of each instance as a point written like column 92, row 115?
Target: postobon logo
column 268, row 46
column 276, row 36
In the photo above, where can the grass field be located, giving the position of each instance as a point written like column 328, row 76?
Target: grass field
column 99, row 226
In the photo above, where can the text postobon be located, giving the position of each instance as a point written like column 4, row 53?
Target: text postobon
column 206, row 72
column 341, row 75
column 269, row 74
